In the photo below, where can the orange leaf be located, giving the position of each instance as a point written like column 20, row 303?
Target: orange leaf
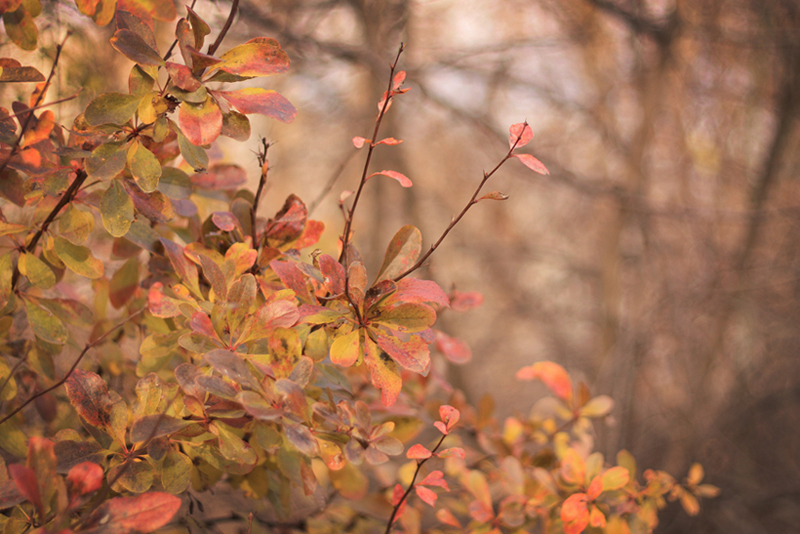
column 595, row 488
column 418, row 452
column 435, row 478
column 575, row 514
column 553, row 375
column 426, row 495
column 200, row 123
column 446, row 516
column 257, row 57
column 401, row 178
column 383, row 372
column 124, row 515
column 358, row 142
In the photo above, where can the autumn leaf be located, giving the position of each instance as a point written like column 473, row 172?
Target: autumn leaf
column 394, row 175
column 402, row 252
column 133, row 46
column 116, row 209
column 257, row 57
column 383, row 372
column 200, row 123
column 532, row 163
column 426, row 495
column 45, row 324
column 88, row 394
column 553, row 375
column 519, row 135
column 126, row 515
column 418, row 452
column 262, row 101
column 21, row 28
column 113, row 108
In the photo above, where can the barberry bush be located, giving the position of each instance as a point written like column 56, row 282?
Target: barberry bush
column 157, row 356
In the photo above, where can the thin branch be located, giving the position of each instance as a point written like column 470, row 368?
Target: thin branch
column 86, row 348
column 472, row 201
column 331, row 182
column 213, row 48
column 25, row 125
column 65, row 199
column 420, row 463
column 40, row 106
column 262, row 181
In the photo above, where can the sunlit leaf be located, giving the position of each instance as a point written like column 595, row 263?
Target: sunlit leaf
column 78, row 259
column 418, row 452
column 383, row 372
column 131, row 45
column 599, row 406
column 346, row 348
column 200, row 123
column 615, row 478
column 257, row 57
column 114, row 108
column 262, row 101
column 75, row 225
column 532, row 163
column 519, row 135
column 553, row 375
column 144, row 167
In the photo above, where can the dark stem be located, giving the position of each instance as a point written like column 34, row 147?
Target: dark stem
column 65, row 199
column 472, row 201
column 420, row 463
column 213, row 48
column 72, row 368
column 25, row 125
column 262, row 160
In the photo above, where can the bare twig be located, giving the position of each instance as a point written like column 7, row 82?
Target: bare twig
column 86, row 348
column 262, row 181
column 213, row 48
column 472, row 201
column 40, row 106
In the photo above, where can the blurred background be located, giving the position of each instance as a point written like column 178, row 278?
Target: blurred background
column 659, row 260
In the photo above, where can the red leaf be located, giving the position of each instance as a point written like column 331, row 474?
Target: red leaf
column 88, row 393
column 389, row 141
column 454, row 349
column 449, row 415
column 519, row 131
column 124, row 515
column 25, row 479
column 413, row 354
column 575, row 514
column 426, row 495
column 182, row 77
column 85, row 478
column 401, row 178
column 417, row 291
column 288, row 223
column 334, row 273
column 446, row 516
column 532, row 163
column 467, row 300
column 595, row 488
column 418, row 452
column 200, row 123
column 261, row 101
column 226, row 221
column 435, row 478
column 397, row 494
column 358, row 142
column 293, row 278
column 398, row 80
column 220, row 176
column 553, row 375
column 159, row 304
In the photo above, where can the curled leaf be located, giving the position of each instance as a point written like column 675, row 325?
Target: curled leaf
column 401, row 178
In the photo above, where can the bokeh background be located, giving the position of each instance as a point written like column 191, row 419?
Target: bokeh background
column 659, row 260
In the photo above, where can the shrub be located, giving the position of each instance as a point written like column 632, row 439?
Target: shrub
column 210, row 355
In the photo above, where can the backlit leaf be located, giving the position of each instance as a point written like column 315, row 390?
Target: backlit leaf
column 575, row 513
column 125, row 515
column 553, row 375
column 131, row 45
column 383, row 372
column 426, row 495
column 262, row 101
column 114, row 108
column 521, row 134
column 200, row 123
column 78, row 259
column 257, row 57
column 401, row 178
column 116, row 209
column 532, row 163
column 45, row 324
column 418, row 452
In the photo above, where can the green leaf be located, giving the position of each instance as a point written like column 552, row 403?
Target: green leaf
column 45, row 324
column 257, row 57
column 131, row 45
column 615, row 478
column 402, row 252
column 13, row 440
column 144, row 167
column 78, row 259
column 116, row 210
column 175, row 183
column 111, row 108
column 175, row 472
column 75, row 225
column 136, row 477
column 194, row 155
column 261, row 101
column 407, row 317
column 37, row 271
column 140, row 83
column 106, row 161
column 599, row 406
column 200, row 123
column 21, row 28
column 232, row 446
column 199, row 28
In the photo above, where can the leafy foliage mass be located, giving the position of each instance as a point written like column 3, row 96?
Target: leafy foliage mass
column 236, row 362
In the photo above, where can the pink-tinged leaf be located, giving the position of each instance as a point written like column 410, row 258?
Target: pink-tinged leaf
column 465, row 301
column 294, row 279
column 435, row 478
column 454, row 452
column 200, row 123
column 25, row 479
column 272, row 315
column 416, row 290
column 226, row 221
column 401, row 178
column 222, row 176
column 413, row 354
column 426, row 495
column 391, row 141
column 573, row 468
column 85, row 478
column 182, row 76
column 596, row 517
column 200, row 323
column 418, row 452
column 159, row 304
column 185, row 269
column 201, row 60
column 455, row 350
column 258, row 57
column 519, row 131
column 288, row 224
column 358, row 142
column 553, row 375
column 446, row 516
column 398, row 80
column 88, row 393
column 532, row 163
column 125, row 515
column 449, row 415
column 480, row 512
column 149, row 9
column 131, row 45
column 383, row 372
column 261, row 101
